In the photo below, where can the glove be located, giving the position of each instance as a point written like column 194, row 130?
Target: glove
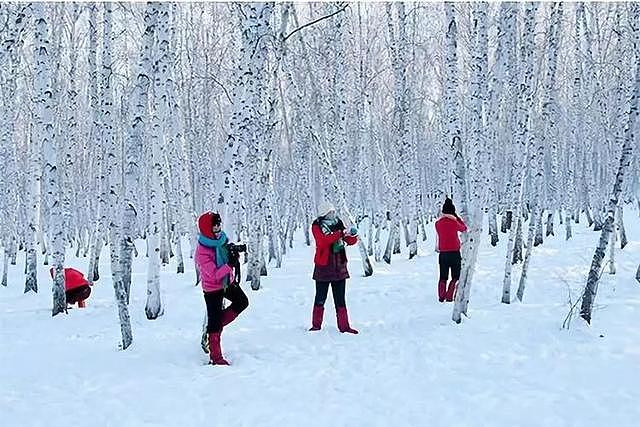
column 353, row 231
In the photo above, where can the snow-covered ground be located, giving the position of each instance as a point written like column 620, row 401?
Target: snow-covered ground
column 506, row 365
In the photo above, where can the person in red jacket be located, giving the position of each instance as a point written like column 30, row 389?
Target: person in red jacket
column 331, row 265
column 77, row 288
column 447, row 228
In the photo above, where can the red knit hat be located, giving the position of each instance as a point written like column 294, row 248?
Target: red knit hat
column 206, row 221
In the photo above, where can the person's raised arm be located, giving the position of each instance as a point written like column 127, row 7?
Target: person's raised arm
column 324, row 240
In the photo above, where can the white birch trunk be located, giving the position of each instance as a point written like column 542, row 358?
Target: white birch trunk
column 153, row 306
column 568, row 201
column 133, row 147
column 400, row 140
column 620, row 225
column 45, row 138
column 18, row 18
column 612, row 250
column 94, row 136
column 452, row 130
column 479, row 156
column 114, row 178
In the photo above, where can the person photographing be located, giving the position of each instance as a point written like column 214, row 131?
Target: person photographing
column 330, row 265
column 448, row 245
column 212, row 258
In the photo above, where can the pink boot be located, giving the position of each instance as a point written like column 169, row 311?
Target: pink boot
column 215, row 352
column 442, row 290
column 451, row 291
column 343, row 321
column 316, row 320
column 228, row 316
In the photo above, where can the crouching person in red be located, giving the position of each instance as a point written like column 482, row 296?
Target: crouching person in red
column 331, row 265
column 77, row 288
column 447, row 228
column 212, row 260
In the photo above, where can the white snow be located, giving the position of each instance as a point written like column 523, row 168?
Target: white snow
column 506, row 365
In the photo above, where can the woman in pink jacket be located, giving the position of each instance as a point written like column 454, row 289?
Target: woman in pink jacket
column 211, row 258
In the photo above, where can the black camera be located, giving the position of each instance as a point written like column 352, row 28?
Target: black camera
column 237, row 247
column 234, row 257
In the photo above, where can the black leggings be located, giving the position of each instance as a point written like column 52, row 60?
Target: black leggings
column 80, row 293
column 233, row 293
column 337, row 288
column 450, row 260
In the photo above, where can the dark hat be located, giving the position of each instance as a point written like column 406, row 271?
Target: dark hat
column 448, row 207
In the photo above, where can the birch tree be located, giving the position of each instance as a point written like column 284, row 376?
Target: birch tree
column 479, row 156
column 114, row 177
column 133, row 148
column 153, row 307
column 11, row 59
column 452, row 131
column 94, row 136
column 45, row 138
column 399, row 49
column 577, row 111
column 247, row 127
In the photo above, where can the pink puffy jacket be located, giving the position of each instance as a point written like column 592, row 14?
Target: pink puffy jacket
column 211, row 276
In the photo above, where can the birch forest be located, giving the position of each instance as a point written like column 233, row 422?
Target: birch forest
column 122, row 122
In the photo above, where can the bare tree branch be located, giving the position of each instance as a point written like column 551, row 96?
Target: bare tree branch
column 313, row 22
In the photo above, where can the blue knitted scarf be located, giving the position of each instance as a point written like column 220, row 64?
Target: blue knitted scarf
column 222, row 253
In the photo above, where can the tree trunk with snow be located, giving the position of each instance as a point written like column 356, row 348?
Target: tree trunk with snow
column 527, row 256
column 479, row 157
column 620, row 225
column 94, row 136
column 153, row 307
column 400, row 141
column 133, row 147
column 18, row 18
column 114, row 177
column 45, row 138
column 452, row 108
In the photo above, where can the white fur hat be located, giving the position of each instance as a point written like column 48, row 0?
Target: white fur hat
column 325, row 208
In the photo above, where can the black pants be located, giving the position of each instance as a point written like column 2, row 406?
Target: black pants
column 233, row 293
column 337, row 288
column 80, row 293
column 450, row 260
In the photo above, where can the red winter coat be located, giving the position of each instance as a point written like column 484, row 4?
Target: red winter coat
column 72, row 278
column 447, row 229
column 324, row 242
column 330, row 266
